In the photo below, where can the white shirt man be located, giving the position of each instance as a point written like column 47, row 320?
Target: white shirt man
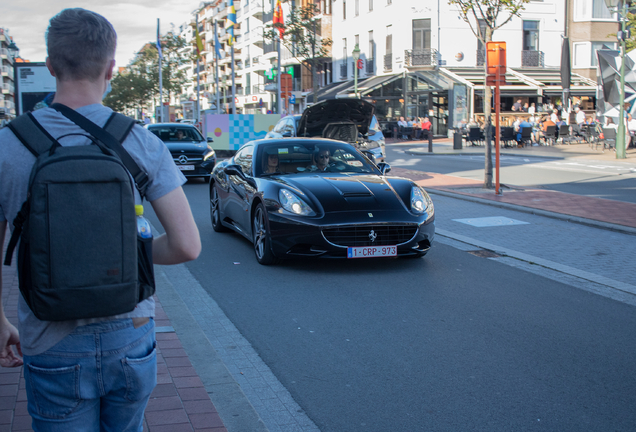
column 580, row 116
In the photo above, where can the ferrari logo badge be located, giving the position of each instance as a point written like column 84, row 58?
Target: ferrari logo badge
column 372, row 236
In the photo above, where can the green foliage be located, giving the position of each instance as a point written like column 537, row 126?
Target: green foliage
column 630, row 43
column 139, row 82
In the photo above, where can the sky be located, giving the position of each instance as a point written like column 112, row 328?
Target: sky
column 135, row 22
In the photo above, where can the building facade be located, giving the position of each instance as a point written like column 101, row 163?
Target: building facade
column 8, row 52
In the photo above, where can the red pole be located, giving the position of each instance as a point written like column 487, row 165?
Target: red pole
column 497, row 129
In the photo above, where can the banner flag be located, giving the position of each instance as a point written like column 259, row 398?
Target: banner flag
column 279, row 22
column 199, row 43
column 158, row 40
column 231, row 22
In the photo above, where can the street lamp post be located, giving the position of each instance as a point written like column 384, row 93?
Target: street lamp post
column 621, row 12
column 356, row 57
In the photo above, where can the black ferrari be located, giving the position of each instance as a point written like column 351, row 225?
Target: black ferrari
column 307, row 197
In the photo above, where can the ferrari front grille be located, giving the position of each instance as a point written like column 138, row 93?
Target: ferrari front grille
column 370, row 235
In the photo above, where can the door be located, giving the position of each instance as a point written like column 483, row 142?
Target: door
column 237, row 207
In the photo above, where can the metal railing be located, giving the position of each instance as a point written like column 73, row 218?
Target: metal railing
column 388, row 62
column 425, row 57
column 532, row 59
column 269, row 47
column 268, row 16
column 258, row 89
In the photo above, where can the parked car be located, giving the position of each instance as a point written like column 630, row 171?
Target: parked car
column 191, row 152
column 307, row 197
column 349, row 120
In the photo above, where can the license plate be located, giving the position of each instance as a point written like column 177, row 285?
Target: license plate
column 371, row 251
column 186, row 167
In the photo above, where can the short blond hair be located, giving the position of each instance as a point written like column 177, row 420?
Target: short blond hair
column 80, row 44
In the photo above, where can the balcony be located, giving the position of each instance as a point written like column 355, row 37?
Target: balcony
column 269, row 48
column 425, row 57
column 7, row 71
column 8, row 88
column 388, row 62
column 369, row 68
column 343, row 71
column 268, row 16
column 532, row 59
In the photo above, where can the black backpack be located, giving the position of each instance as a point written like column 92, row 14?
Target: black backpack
column 79, row 254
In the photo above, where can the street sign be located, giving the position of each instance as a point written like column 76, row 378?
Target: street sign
column 496, row 60
column 292, row 99
column 360, row 64
column 285, row 85
column 260, row 102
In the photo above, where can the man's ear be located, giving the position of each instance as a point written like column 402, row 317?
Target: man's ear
column 49, row 67
column 109, row 70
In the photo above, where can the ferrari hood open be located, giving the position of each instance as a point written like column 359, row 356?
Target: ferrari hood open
column 318, row 116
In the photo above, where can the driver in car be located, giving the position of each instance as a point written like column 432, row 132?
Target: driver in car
column 321, row 160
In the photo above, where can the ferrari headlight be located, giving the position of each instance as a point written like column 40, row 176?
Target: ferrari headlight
column 420, row 201
column 293, row 204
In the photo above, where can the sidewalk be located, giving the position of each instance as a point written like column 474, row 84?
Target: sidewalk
column 179, row 403
column 600, row 212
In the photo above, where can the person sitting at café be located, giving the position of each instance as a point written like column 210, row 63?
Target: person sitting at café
column 517, row 106
column 402, row 122
column 580, row 116
column 525, row 107
column 425, row 128
column 522, row 124
column 532, row 109
column 631, row 128
column 544, row 127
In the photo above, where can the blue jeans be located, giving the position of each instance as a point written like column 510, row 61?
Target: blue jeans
column 98, row 378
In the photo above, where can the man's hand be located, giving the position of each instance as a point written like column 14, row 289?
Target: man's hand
column 9, row 336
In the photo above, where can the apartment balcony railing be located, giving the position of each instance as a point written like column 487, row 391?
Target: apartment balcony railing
column 7, row 71
column 481, row 57
column 8, row 88
column 532, row 59
column 425, row 57
column 343, row 71
column 268, row 16
column 369, row 68
column 258, row 89
column 388, row 62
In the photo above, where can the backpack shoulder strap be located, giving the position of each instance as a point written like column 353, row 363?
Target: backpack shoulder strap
column 119, row 126
column 31, row 134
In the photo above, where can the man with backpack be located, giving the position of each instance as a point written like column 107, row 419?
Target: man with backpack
column 89, row 364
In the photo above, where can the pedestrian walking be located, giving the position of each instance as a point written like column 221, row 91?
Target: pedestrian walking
column 98, row 373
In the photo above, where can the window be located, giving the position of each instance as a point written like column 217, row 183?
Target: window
column 389, row 2
column 344, row 9
column 370, row 5
column 531, row 35
column 600, row 46
column 591, row 10
column 370, row 53
column 357, row 7
column 389, row 40
column 421, row 34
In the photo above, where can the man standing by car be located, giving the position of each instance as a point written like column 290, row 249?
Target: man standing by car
column 61, row 394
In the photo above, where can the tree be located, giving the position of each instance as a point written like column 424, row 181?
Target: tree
column 139, row 82
column 483, row 18
column 302, row 38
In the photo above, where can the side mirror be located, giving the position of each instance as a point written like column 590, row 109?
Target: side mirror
column 287, row 134
column 210, row 139
column 384, row 168
column 236, row 170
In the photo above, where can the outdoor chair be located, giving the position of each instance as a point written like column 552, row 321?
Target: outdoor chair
column 609, row 139
column 549, row 135
column 507, row 136
column 475, row 134
column 564, row 134
column 526, row 136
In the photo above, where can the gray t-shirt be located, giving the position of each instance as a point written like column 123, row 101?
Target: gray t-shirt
column 150, row 153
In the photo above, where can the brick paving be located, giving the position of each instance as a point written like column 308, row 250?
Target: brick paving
column 179, row 403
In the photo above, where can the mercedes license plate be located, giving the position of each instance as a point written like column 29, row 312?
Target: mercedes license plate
column 371, row 251
column 186, row 167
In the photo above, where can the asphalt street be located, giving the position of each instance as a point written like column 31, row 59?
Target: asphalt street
column 454, row 341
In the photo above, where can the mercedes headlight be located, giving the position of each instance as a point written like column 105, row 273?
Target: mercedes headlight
column 420, row 201
column 293, row 204
column 209, row 154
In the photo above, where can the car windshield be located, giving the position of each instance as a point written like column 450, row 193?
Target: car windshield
column 286, row 158
column 174, row 134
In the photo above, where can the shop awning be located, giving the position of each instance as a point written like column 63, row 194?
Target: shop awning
column 329, row 91
column 550, row 80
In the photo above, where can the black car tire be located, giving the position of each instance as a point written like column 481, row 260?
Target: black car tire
column 262, row 238
column 215, row 212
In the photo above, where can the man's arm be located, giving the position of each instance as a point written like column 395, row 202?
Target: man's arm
column 181, row 241
column 8, row 333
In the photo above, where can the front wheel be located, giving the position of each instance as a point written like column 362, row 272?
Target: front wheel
column 215, row 212
column 262, row 238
